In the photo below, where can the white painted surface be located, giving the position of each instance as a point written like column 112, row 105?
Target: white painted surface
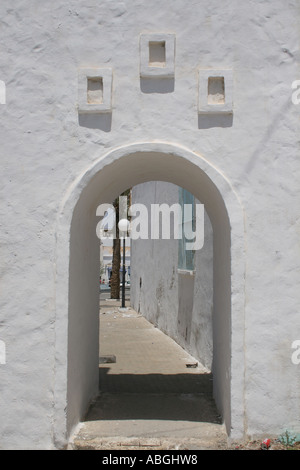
column 2, row 353
column 88, row 101
column 215, row 103
column 2, row 92
column 155, row 64
column 179, row 303
column 135, row 164
column 50, row 156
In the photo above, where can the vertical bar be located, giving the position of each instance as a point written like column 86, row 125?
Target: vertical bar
column 123, row 274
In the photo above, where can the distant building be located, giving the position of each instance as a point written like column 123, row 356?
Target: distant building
column 106, row 258
column 106, row 250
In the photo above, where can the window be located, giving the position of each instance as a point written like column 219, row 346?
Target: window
column 186, row 256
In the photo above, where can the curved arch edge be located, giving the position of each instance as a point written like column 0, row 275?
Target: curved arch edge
column 236, row 218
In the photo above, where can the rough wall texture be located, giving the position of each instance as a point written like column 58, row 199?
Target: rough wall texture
column 45, row 145
column 180, row 304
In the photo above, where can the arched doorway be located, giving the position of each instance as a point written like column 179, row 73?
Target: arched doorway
column 77, row 268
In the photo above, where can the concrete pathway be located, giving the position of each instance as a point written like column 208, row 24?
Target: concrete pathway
column 151, row 395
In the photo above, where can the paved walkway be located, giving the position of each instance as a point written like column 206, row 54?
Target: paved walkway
column 151, row 395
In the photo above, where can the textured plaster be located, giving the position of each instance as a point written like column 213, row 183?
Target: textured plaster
column 124, row 168
column 179, row 303
column 50, row 155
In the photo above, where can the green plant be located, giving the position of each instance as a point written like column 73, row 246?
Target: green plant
column 287, row 439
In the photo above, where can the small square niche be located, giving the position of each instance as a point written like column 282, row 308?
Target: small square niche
column 157, row 55
column 94, row 90
column 215, row 92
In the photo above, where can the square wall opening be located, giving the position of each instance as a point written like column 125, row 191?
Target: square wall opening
column 157, row 53
column 216, row 90
column 95, row 90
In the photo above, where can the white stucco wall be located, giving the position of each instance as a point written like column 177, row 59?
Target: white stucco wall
column 180, row 304
column 46, row 146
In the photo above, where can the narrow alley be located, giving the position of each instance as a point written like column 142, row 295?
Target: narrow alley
column 153, row 394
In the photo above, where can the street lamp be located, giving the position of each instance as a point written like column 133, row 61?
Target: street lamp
column 123, row 227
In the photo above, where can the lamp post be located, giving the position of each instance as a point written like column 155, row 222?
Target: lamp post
column 123, row 227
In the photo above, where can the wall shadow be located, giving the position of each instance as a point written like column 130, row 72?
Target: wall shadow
column 96, row 121
column 186, row 287
column 155, row 383
column 208, row 121
column 157, row 85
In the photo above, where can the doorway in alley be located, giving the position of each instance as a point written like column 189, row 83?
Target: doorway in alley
column 150, row 386
column 77, row 322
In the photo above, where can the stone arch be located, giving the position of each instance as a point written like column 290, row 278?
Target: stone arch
column 77, row 290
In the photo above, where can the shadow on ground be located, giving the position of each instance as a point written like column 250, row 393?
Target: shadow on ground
column 178, row 397
column 152, row 393
column 154, row 383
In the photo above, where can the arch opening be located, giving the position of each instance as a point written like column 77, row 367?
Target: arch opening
column 77, row 340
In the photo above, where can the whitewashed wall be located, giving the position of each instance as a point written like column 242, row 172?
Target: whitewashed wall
column 179, row 304
column 46, row 146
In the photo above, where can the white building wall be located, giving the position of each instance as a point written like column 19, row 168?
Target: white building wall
column 46, row 145
column 178, row 303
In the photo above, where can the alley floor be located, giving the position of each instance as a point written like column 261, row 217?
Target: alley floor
column 153, row 394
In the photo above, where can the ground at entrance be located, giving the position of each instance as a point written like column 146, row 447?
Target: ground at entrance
column 153, row 394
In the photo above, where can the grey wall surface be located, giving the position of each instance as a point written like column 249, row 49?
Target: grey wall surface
column 57, row 165
column 179, row 303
